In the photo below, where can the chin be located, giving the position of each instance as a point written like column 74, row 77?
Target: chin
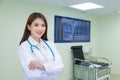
column 38, row 36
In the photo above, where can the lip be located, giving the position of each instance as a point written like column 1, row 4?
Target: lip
column 39, row 33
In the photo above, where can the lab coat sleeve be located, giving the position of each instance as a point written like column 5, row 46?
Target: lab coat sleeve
column 25, row 58
column 57, row 64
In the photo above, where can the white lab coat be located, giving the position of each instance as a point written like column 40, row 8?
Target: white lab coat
column 44, row 56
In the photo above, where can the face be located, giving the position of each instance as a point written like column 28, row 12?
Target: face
column 37, row 28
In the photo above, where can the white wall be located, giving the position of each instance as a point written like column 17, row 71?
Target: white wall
column 108, row 39
column 13, row 16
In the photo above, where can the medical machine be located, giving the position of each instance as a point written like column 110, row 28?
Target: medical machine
column 94, row 68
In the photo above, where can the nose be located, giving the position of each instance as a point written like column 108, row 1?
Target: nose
column 41, row 27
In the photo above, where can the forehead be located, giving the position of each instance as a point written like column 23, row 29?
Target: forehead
column 38, row 20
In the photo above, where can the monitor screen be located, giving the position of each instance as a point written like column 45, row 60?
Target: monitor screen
column 68, row 29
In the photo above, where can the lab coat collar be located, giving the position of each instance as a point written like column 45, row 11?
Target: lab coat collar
column 33, row 42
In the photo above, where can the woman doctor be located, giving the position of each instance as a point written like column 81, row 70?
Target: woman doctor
column 38, row 56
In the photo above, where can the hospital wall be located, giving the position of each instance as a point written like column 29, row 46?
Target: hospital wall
column 13, row 16
column 108, row 41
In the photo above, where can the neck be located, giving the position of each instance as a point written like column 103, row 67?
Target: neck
column 36, row 39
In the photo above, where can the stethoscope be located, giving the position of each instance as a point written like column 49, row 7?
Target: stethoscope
column 31, row 48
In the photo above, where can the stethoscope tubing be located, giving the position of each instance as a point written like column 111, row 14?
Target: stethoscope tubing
column 31, row 48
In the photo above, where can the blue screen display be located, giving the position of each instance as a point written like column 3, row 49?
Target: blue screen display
column 68, row 29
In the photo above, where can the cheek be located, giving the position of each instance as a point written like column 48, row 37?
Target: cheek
column 44, row 29
column 32, row 31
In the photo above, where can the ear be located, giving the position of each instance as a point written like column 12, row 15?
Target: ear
column 28, row 26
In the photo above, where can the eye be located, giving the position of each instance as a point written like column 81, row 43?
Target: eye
column 43, row 25
column 36, row 24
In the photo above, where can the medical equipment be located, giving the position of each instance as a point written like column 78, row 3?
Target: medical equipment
column 31, row 48
column 91, row 69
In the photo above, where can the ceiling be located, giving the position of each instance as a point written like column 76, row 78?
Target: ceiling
column 110, row 6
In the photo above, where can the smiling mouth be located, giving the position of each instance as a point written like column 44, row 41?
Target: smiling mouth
column 39, row 33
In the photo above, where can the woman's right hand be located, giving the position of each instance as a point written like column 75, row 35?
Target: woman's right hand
column 35, row 65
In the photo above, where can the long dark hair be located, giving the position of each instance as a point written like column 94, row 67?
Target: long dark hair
column 31, row 18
